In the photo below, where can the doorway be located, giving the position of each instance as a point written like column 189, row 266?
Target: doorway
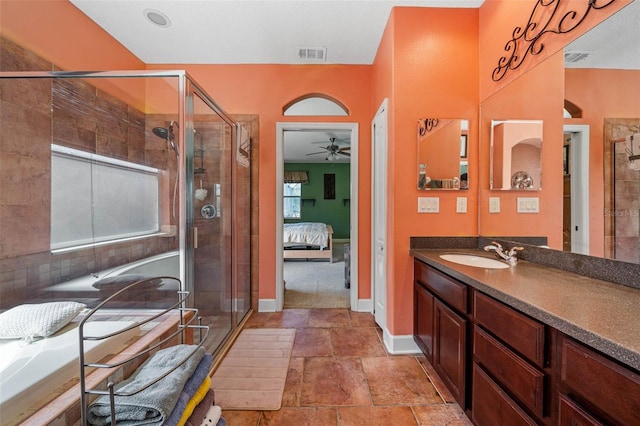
column 351, row 130
column 576, row 175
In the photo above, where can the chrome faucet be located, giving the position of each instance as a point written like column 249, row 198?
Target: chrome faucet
column 510, row 256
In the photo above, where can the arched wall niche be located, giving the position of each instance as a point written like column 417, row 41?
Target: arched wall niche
column 315, row 104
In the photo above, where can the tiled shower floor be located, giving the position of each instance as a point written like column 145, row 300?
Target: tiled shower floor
column 341, row 374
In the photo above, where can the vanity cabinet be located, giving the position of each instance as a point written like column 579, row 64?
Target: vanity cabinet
column 509, row 357
column 441, row 324
column 595, row 390
column 506, row 368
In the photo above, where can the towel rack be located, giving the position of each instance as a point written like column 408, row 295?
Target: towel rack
column 184, row 325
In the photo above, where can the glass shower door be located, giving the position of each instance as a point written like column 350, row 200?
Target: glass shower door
column 208, row 202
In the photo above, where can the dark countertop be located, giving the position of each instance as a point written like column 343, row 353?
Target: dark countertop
column 603, row 315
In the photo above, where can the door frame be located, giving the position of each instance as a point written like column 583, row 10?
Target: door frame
column 281, row 127
column 579, row 169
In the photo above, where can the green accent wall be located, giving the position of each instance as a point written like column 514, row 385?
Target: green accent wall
column 332, row 212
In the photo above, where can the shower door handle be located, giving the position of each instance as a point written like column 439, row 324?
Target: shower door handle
column 195, row 237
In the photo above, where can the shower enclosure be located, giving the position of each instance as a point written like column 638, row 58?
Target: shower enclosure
column 101, row 171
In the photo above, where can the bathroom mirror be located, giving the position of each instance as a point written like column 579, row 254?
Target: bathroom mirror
column 591, row 87
column 442, row 154
column 515, row 160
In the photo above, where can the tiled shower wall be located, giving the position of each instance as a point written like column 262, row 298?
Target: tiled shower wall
column 622, row 198
column 33, row 114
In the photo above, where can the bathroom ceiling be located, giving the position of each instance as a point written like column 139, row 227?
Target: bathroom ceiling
column 274, row 31
column 250, row 31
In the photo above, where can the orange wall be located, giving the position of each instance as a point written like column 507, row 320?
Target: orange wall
column 264, row 90
column 433, row 67
column 600, row 94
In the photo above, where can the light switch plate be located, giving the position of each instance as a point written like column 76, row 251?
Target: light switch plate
column 494, row 204
column 528, row 205
column 428, row 205
column 461, row 205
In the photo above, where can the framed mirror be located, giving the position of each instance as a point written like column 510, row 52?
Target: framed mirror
column 515, row 160
column 442, row 154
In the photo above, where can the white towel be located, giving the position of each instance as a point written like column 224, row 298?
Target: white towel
column 633, row 148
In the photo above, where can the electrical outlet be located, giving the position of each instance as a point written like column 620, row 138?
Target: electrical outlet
column 494, row 204
column 461, row 205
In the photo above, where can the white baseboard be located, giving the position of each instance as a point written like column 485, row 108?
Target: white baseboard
column 398, row 345
column 267, row 305
column 363, row 305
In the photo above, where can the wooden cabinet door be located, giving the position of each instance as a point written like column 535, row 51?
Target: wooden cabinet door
column 449, row 349
column 423, row 320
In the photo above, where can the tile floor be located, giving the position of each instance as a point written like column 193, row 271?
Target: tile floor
column 341, row 374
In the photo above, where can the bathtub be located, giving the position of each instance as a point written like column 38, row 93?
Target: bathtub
column 161, row 265
column 31, row 373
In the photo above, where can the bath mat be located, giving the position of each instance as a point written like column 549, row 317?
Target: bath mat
column 253, row 373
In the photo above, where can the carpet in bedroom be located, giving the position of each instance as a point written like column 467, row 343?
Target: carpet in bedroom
column 316, row 284
column 252, row 375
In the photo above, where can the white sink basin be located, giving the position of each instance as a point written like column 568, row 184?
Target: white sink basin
column 476, row 261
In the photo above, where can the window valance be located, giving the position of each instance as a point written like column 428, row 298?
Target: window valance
column 296, row 177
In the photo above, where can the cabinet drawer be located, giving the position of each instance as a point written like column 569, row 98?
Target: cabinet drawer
column 606, row 385
column 491, row 406
column 449, row 290
column 514, row 374
column 571, row 414
column 523, row 334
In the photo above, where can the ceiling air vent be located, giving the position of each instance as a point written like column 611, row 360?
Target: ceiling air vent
column 316, row 54
column 571, row 57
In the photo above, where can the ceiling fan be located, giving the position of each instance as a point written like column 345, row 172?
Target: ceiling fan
column 332, row 150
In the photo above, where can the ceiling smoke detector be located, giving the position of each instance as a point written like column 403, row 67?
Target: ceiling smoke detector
column 573, row 56
column 316, row 54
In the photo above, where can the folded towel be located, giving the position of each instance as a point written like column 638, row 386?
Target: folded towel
column 154, row 404
column 195, row 400
column 197, row 378
column 197, row 417
column 213, row 416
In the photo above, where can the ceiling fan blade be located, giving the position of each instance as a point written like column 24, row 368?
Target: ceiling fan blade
column 346, row 154
column 346, row 148
column 314, row 153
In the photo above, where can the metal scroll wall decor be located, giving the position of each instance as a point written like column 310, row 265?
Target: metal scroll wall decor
column 547, row 17
column 425, row 125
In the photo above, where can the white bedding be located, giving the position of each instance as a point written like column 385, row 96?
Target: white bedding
column 309, row 233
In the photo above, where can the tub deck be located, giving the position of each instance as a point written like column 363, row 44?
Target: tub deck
column 60, row 406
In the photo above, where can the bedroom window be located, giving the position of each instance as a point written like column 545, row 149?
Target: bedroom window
column 291, row 196
column 98, row 200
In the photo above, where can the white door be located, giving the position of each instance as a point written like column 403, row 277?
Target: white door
column 379, row 215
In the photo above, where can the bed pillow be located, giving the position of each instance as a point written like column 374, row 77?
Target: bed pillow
column 32, row 321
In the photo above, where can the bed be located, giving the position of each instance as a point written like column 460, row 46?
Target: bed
column 308, row 240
